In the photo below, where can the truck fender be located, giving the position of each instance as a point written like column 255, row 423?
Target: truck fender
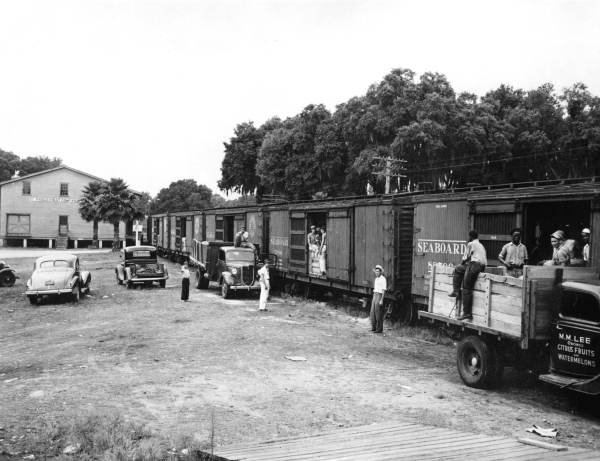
column 228, row 278
column 119, row 272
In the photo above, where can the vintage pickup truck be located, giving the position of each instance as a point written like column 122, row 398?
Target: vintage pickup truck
column 547, row 321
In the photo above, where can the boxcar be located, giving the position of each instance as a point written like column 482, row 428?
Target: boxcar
column 406, row 233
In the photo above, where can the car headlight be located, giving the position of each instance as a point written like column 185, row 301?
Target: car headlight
column 29, row 283
column 234, row 271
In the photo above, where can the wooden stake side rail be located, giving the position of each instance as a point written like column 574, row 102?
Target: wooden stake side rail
column 517, row 308
column 397, row 440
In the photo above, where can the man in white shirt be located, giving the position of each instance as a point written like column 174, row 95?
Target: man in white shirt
column 473, row 262
column 585, row 236
column 265, row 286
column 377, row 309
column 514, row 254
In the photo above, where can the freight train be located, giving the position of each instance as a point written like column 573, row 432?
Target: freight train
column 406, row 233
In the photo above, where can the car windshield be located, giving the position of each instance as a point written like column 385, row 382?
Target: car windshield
column 56, row 264
column 240, row 256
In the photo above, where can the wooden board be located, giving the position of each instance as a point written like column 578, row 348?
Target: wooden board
column 397, row 440
column 497, row 300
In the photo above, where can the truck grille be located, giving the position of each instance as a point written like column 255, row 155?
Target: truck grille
column 248, row 275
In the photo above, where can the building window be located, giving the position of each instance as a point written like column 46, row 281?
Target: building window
column 26, row 188
column 18, row 224
column 64, row 189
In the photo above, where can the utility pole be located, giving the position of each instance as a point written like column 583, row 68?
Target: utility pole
column 392, row 168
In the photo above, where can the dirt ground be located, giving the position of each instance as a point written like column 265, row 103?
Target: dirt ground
column 179, row 367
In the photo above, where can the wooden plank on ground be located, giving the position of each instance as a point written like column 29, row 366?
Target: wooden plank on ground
column 392, row 441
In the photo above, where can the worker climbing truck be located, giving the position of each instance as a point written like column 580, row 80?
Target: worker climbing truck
column 547, row 321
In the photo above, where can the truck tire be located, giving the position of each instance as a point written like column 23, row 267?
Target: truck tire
column 478, row 363
column 34, row 300
column 162, row 283
column 7, row 279
column 77, row 295
column 204, row 282
column 225, row 291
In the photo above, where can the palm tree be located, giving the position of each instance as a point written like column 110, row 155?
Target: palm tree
column 89, row 207
column 117, row 203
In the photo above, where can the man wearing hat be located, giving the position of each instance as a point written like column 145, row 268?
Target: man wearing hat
column 562, row 249
column 377, row 309
column 585, row 236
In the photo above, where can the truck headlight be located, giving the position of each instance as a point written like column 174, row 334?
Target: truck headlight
column 234, row 271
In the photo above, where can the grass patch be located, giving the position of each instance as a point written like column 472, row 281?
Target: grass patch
column 110, row 437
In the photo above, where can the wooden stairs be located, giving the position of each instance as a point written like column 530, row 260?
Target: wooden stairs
column 62, row 242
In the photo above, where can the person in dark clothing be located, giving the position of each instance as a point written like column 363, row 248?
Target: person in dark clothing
column 185, row 282
column 465, row 274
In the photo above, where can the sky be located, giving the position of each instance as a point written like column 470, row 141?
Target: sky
column 149, row 91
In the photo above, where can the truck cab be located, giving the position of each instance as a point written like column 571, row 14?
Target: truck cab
column 575, row 343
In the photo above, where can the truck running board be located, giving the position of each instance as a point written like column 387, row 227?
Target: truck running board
column 585, row 385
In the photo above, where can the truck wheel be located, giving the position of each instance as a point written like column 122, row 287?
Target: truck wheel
column 162, row 283
column 129, row 285
column 477, row 363
column 204, row 282
column 225, row 291
column 7, row 279
column 119, row 281
column 33, row 300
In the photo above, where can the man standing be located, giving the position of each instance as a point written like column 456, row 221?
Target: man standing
column 473, row 262
column 585, row 236
column 185, row 282
column 377, row 310
column 514, row 254
column 265, row 286
column 323, row 252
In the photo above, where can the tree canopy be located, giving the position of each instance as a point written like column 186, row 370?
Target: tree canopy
column 10, row 163
column 182, row 195
column 421, row 134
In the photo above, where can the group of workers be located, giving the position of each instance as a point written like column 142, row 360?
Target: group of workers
column 317, row 245
column 513, row 256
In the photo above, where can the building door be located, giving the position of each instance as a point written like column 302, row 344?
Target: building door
column 63, row 226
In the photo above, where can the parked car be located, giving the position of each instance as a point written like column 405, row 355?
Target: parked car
column 57, row 274
column 140, row 266
column 7, row 275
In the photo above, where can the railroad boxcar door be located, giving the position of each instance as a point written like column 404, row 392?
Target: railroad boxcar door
column 441, row 234
column 198, row 227
column 298, row 242
column 338, row 245
column 493, row 222
column 211, row 227
column 189, row 232
column 173, row 237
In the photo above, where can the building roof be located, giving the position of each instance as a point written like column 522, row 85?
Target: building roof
column 61, row 167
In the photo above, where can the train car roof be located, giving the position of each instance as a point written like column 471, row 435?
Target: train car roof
column 569, row 188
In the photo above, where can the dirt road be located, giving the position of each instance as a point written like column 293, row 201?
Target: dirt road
column 176, row 366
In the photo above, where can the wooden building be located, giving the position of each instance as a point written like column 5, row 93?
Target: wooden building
column 42, row 209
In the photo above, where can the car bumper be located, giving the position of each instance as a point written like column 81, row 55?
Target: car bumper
column 146, row 279
column 60, row 291
column 244, row 287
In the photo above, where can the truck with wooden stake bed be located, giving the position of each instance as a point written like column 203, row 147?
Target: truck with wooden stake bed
column 548, row 320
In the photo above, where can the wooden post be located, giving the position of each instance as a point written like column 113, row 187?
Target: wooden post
column 431, row 288
column 488, row 301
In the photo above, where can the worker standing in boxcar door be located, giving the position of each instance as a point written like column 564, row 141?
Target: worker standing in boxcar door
column 377, row 309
